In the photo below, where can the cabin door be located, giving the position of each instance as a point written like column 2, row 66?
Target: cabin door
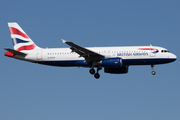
column 39, row 54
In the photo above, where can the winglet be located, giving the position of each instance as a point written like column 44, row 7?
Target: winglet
column 63, row 41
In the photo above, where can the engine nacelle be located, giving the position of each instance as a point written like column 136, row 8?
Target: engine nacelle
column 117, row 70
column 111, row 62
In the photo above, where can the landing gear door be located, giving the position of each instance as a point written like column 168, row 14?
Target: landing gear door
column 39, row 54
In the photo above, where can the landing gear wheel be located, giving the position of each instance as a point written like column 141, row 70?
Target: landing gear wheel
column 153, row 72
column 92, row 71
column 97, row 76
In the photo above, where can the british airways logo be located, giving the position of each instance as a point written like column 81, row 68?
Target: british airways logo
column 146, row 53
column 151, row 49
column 156, row 51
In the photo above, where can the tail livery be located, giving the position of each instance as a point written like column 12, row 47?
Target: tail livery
column 21, row 40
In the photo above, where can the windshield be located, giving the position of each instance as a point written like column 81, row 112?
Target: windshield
column 164, row 51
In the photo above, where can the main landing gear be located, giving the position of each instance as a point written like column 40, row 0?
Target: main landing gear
column 96, row 75
column 92, row 71
column 153, row 72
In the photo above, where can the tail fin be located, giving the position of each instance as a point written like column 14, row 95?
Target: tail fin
column 20, row 39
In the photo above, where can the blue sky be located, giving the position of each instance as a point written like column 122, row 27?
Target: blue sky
column 31, row 91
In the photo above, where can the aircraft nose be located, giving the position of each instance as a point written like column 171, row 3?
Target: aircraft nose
column 174, row 57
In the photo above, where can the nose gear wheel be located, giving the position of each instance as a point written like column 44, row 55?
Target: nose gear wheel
column 153, row 72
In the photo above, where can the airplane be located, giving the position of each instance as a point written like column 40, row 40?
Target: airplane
column 114, row 60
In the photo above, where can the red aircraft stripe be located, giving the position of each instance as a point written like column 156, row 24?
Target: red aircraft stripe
column 28, row 47
column 17, row 32
column 147, row 49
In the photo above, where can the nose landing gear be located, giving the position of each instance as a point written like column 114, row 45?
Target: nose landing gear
column 153, row 72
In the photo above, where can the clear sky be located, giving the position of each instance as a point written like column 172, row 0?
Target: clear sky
column 36, row 92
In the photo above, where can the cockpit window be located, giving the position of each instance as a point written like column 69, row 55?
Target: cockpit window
column 164, row 51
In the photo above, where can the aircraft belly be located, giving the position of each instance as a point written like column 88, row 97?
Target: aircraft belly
column 150, row 61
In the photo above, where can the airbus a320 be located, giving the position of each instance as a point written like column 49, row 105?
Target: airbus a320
column 114, row 60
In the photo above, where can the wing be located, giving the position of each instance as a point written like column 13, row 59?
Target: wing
column 84, row 52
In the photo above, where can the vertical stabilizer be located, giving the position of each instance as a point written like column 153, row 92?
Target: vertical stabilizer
column 21, row 41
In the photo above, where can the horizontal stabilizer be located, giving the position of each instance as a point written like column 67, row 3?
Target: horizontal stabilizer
column 15, row 52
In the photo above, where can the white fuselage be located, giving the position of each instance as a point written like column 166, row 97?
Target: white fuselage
column 130, row 55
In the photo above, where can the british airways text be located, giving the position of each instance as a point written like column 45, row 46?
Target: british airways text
column 132, row 54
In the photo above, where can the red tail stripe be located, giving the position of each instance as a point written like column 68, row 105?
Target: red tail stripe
column 28, row 47
column 17, row 32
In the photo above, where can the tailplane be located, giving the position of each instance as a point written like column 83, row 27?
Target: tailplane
column 21, row 41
